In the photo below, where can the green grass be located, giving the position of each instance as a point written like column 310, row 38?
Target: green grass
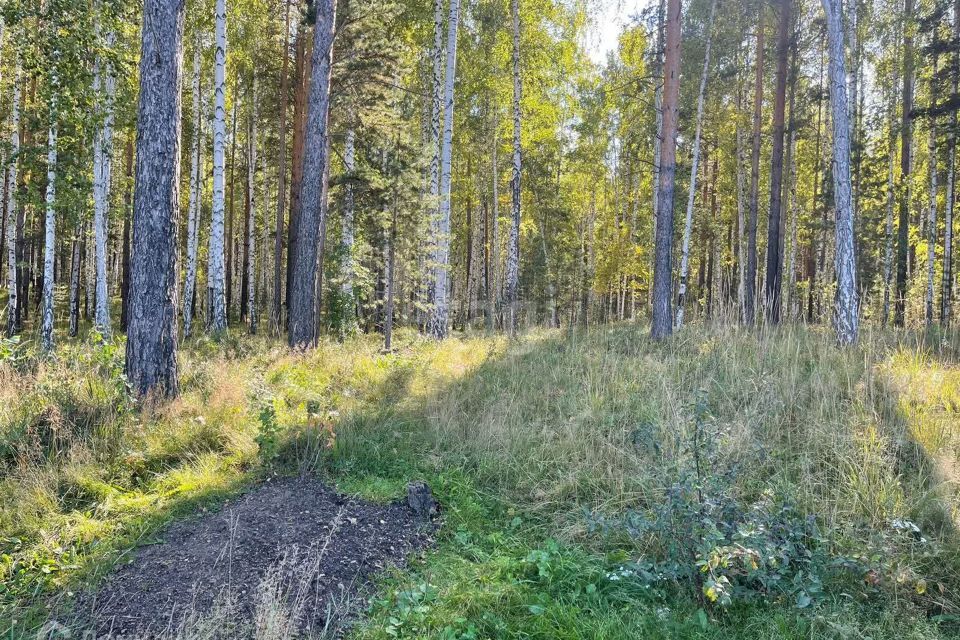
column 539, row 451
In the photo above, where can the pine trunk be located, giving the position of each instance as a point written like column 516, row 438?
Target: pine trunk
column 662, row 324
column 151, row 363
column 774, row 273
column 304, row 293
column 906, row 138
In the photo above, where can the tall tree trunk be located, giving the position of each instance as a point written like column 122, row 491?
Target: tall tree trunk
column 493, row 299
column 740, row 246
column 301, row 74
column 658, row 116
column 127, row 218
column 151, row 363
column 932, row 164
column 277, row 309
column 249, row 249
column 846, row 312
column 513, row 250
column 390, row 279
column 216, row 268
column 50, row 227
column 75, row 281
column 346, row 242
column 774, row 274
column 312, row 222
column 792, row 212
column 906, row 137
column 441, row 257
column 229, row 249
column 662, row 324
column 102, row 167
column 13, row 319
column 946, row 289
column 695, row 162
column 193, row 215
column 750, row 282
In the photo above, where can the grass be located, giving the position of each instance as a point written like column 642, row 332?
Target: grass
column 578, row 474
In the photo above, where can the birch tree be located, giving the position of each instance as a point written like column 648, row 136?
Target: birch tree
column 946, row 288
column 750, row 277
column 105, row 81
column 906, row 138
column 437, row 323
column 216, row 269
column 50, row 222
column 694, row 164
column 151, row 362
column 846, row 313
column 13, row 316
column 932, row 208
column 250, row 243
column 346, row 240
column 193, row 211
column 513, row 250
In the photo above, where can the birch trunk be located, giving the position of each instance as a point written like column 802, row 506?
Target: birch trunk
column 193, row 212
column 513, row 251
column 151, row 362
column 846, row 312
column 250, row 247
column 441, row 258
column 75, row 281
column 304, row 294
column 946, row 289
column 662, row 324
column 216, row 269
column 436, row 116
column 750, row 283
column 125, row 260
column 50, row 228
column 102, row 165
column 13, row 320
column 695, row 162
column 346, row 241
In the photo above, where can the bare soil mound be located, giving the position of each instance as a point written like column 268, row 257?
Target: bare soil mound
column 291, row 557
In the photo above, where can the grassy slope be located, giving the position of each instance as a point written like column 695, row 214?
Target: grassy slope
column 520, row 442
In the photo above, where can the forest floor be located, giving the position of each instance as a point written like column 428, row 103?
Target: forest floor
column 722, row 484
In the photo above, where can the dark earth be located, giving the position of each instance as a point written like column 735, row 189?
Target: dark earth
column 293, row 541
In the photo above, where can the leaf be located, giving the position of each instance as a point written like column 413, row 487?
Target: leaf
column 702, row 619
column 803, row 600
column 536, row 609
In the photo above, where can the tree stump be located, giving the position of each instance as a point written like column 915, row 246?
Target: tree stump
column 420, row 500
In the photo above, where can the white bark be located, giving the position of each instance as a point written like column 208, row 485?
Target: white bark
column 846, row 312
column 513, row 251
column 441, row 257
column 691, row 196
column 251, row 219
column 11, row 211
column 193, row 212
column 436, row 115
column 102, row 164
column 946, row 289
column 216, row 276
column 346, row 241
column 50, row 235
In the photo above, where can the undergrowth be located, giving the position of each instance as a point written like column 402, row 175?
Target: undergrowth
column 724, row 484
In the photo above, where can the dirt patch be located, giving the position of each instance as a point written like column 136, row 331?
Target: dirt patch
column 291, row 556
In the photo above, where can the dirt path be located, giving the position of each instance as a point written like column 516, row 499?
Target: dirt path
column 291, row 555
